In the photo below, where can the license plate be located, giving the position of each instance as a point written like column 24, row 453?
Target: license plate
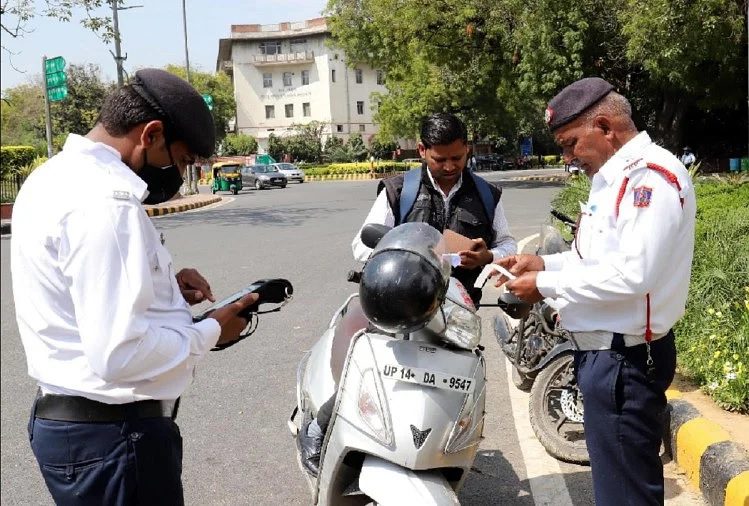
column 428, row 378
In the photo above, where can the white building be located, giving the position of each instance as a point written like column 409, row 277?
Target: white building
column 287, row 74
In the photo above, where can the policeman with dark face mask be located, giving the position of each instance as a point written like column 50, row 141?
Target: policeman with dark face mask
column 103, row 317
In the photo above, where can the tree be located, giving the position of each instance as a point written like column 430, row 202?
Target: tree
column 239, row 144
column 382, row 149
column 15, row 14
column 22, row 117
column 356, row 148
column 78, row 112
column 496, row 64
column 220, row 87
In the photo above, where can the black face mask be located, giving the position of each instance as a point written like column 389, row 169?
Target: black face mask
column 163, row 182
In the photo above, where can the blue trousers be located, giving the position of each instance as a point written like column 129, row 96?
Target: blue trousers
column 133, row 462
column 624, row 419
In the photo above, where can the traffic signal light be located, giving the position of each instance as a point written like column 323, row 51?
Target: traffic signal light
column 55, row 78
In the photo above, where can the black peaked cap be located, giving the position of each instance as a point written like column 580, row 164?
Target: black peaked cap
column 574, row 100
column 183, row 107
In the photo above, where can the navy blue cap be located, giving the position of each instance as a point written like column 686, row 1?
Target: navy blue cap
column 188, row 117
column 574, row 100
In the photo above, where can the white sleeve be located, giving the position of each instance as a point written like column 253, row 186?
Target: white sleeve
column 104, row 258
column 646, row 238
column 504, row 243
column 380, row 214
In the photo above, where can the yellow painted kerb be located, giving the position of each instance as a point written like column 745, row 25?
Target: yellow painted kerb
column 737, row 491
column 673, row 394
column 692, row 440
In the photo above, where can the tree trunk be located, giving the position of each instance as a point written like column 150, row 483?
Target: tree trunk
column 670, row 122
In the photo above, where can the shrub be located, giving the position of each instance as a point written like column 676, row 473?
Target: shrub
column 239, row 144
column 12, row 158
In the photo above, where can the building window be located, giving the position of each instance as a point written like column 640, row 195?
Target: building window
column 362, row 128
column 306, row 111
column 359, row 76
column 289, row 110
column 360, row 107
column 380, row 77
column 268, row 80
column 298, row 45
column 270, row 47
column 270, row 111
column 332, row 75
column 305, row 77
column 287, row 78
column 339, row 128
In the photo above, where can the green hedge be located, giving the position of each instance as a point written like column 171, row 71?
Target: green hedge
column 357, row 168
column 712, row 337
column 13, row 158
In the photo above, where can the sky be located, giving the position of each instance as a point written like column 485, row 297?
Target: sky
column 152, row 35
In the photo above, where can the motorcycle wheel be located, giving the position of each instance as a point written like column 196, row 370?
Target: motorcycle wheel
column 521, row 381
column 556, row 411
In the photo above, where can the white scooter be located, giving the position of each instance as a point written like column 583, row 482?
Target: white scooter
column 409, row 410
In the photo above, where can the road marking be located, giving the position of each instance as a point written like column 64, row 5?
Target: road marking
column 544, row 474
column 524, row 241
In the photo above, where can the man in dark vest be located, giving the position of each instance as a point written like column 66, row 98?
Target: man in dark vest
column 449, row 197
column 445, row 195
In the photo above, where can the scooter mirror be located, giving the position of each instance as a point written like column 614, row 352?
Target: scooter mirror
column 372, row 233
column 513, row 306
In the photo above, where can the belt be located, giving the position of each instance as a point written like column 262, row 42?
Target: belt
column 68, row 408
column 600, row 340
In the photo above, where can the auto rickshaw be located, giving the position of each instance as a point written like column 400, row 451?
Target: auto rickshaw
column 226, row 177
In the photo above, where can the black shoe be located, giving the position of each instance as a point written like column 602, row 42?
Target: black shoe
column 309, row 448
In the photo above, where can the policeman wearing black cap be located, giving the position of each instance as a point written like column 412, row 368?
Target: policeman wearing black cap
column 623, row 285
column 104, row 319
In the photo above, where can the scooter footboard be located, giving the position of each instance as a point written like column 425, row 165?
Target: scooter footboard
column 390, row 484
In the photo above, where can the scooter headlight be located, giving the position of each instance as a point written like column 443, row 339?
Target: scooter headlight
column 462, row 326
column 372, row 408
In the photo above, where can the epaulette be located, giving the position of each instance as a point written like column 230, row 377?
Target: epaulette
column 643, row 194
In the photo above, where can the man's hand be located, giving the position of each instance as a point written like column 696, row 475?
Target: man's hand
column 194, row 286
column 478, row 256
column 517, row 265
column 524, row 287
column 231, row 324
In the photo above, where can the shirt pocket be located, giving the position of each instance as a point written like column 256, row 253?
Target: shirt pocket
column 471, row 225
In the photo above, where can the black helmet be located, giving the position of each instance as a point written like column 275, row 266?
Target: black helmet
column 405, row 280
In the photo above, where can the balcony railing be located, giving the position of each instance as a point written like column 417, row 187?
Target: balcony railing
column 284, row 58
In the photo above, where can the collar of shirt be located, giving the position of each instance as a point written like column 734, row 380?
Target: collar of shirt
column 630, row 152
column 107, row 155
column 437, row 187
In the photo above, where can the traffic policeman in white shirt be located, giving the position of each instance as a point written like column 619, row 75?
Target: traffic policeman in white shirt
column 103, row 317
column 625, row 281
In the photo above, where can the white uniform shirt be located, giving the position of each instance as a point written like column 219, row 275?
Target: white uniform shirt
column 98, row 307
column 502, row 245
column 647, row 249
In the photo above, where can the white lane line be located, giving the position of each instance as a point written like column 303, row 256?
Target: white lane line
column 544, row 474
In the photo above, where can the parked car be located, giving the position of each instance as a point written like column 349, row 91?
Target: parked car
column 263, row 176
column 291, row 171
column 491, row 161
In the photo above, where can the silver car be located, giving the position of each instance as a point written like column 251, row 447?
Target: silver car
column 262, row 176
column 291, row 171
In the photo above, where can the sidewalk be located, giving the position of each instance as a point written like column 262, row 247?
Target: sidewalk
column 709, row 445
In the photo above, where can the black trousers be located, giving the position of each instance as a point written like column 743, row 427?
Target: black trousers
column 624, row 419
column 132, row 462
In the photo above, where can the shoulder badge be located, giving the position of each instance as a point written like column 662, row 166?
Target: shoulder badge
column 121, row 195
column 642, row 195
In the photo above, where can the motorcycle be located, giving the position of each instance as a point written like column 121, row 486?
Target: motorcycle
column 541, row 353
column 409, row 404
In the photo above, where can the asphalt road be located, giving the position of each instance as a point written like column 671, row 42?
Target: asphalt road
column 233, row 418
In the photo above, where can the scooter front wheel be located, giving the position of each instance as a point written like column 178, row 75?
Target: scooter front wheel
column 556, row 411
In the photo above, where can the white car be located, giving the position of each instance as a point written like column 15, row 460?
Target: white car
column 291, row 171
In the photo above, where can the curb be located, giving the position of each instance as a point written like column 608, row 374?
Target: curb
column 713, row 463
column 546, row 179
column 163, row 210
